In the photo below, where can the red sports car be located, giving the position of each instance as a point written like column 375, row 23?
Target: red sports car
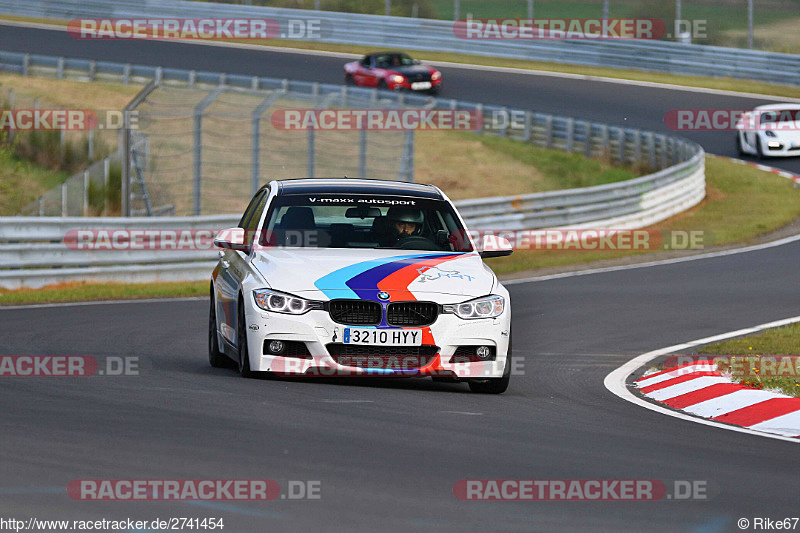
column 393, row 71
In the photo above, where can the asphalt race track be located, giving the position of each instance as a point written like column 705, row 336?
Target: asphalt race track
column 613, row 103
column 387, row 453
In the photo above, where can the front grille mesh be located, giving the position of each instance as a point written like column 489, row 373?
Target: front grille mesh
column 355, row 312
column 412, row 313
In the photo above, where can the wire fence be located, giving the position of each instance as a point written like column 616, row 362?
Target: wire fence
column 204, row 151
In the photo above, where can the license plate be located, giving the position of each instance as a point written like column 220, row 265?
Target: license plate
column 419, row 85
column 384, row 337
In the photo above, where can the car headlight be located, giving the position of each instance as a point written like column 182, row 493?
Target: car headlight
column 436, row 75
column 484, row 307
column 770, row 133
column 397, row 78
column 280, row 302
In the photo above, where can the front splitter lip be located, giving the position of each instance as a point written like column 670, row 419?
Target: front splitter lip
column 327, row 367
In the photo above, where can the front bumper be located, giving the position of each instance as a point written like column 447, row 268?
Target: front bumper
column 316, row 330
column 435, row 86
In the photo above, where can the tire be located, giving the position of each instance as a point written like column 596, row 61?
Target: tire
column 759, row 150
column 348, row 79
column 241, row 339
column 216, row 358
column 382, row 85
column 494, row 385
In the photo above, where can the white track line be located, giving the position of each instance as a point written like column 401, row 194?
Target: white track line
column 733, row 251
column 450, row 64
column 616, row 381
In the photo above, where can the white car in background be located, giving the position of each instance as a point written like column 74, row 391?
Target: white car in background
column 776, row 137
column 331, row 277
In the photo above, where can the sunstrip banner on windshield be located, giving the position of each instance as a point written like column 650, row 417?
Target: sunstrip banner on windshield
column 366, row 279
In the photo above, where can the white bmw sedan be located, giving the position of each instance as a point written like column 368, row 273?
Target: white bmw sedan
column 341, row 277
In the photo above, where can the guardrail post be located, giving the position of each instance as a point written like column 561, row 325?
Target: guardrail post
column 587, row 143
column 92, row 70
column 86, row 193
column 90, row 145
column 310, row 154
column 192, row 78
column 637, row 148
column 159, row 75
column 254, row 83
column 527, row 135
column 197, row 194
column 285, row 85
column 125, row 147
column 11, row 133
column 621, row 145
column 126, row 74
column 362, row 154
column 503, row 131
column 479, row 111
column 651, row 150
column 106, row 175
column 605, row 143
column 673, row 151
column 570, row 135
column 62, row 142
column 60, row 68
column 41, row 206
column 26, row 64
column 255, row 163
column 664, row 155
column 64, row 199
column 548, row 131
column 407, row 160
column 315, row 89
column 223, row 78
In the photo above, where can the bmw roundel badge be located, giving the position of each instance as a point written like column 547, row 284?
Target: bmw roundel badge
column 383, row 295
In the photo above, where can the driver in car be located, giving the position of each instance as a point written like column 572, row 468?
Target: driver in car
column 406, row 223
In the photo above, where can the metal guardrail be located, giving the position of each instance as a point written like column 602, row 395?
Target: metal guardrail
column 438, row 35
column 31, row 246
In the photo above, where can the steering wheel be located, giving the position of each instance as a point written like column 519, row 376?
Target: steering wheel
column 416, row 242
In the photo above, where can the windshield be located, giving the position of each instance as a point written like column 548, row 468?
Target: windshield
column 392, row 60
column 364, row 221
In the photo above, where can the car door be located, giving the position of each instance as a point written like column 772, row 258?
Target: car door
column 363, row 75
column 375, row 73
column 230, row 272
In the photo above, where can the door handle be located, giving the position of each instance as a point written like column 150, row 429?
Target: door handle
column 225, row 264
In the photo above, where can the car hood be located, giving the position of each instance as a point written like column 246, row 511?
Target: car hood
column 409, row 70
column 352, row 273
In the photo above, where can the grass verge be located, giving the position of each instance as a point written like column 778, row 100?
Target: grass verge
column 742, row 203
column 728, row 84
column 755, row 368
column 78, row 292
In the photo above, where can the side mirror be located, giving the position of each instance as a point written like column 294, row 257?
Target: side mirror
column 495, row 246
column 232, row 239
